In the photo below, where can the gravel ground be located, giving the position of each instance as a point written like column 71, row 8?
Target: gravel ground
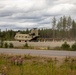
column 41, row 44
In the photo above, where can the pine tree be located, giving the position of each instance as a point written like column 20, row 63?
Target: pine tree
column 54, row 26
column 64, row 26
column 69, row 24
column 73, row 29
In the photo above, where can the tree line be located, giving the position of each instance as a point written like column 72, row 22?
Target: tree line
column 64, row 28
column 10, row 34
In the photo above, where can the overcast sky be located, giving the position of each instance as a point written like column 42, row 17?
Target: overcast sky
column 22, row 14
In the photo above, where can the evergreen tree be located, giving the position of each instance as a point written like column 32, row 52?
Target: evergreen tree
column 54, row 26
column 5, row 45
column 73, row 29
column 69, row 24
column 64, row 26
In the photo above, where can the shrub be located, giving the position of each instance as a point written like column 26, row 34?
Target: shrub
column 11, row 45
column 65, row 46
column 26, row 45
column 6, row 45
column 74, row 47
column 1, row 44
column 48, row 48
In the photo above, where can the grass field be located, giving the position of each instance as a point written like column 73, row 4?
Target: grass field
column 31, row 65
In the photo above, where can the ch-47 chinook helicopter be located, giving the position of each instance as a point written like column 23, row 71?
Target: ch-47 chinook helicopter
column 32, row 36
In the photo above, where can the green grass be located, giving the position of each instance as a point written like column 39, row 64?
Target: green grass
column 37, row 66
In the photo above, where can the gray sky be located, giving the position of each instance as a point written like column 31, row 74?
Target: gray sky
column 22, row 14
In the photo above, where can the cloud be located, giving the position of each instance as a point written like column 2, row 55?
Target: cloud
column 57, row 9
column 16, row 14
